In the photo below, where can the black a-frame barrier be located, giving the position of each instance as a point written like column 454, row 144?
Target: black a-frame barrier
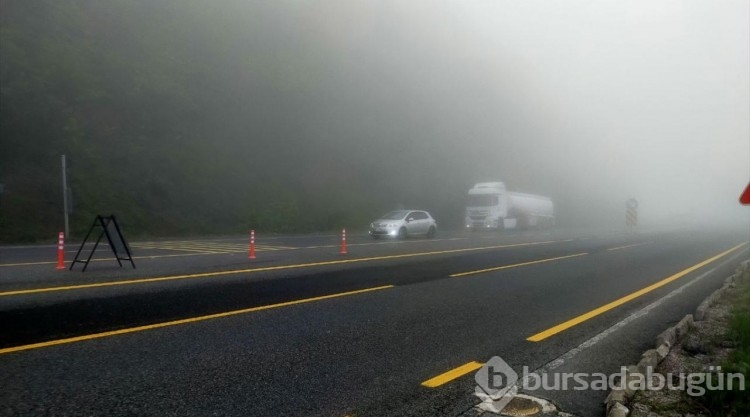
column 110, row 229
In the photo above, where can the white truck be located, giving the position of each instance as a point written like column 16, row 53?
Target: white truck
column 492, row 207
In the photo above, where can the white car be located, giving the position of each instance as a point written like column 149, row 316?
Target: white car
column 404, row 223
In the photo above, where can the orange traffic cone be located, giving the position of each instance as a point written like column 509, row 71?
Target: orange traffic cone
column 60, row 251
column 251, row 255
column 343, row 242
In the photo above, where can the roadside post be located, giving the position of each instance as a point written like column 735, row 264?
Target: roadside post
column 61, row 250
column 631, row 213
column 343, row 242
column 251, row 255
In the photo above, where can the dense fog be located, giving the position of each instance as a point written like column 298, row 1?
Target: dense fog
column 214, row 117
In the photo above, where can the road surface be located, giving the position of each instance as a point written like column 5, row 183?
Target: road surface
column 390, row 328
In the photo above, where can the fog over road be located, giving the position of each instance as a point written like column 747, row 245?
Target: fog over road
column 606, row 141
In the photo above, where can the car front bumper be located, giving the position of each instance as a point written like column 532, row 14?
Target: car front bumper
column 384, row 231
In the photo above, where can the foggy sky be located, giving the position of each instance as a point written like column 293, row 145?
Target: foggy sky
column 363, row 106
column 587, row 101
column 291, row 116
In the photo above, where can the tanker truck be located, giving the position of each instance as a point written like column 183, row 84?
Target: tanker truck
column 492, row 207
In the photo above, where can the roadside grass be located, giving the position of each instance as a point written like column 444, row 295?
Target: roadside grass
column 734, row 402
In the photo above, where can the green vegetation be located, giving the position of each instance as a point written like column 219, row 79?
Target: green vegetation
column 734, row 402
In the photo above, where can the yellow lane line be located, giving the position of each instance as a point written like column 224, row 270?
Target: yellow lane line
column 172, row 255
column 171, row 242
column 185, row 321
column 189, row 245
column 201, row 243
column 199, row 253
column 36, row 263
column 194, row 242
column 390, row 242
column 181, row 248
column 186, row 248
column 450, row 375
column 627, row 246
column 481, row 271
column 264, row 269
column 620, row 301
column 177, row 255
column 209, row 248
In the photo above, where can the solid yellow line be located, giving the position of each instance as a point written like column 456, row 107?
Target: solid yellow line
column 137, row 246
column 178, row 248
column 620, row 301
column 208, row 246
column 452, row 374
column 212, row 247
column 33, row 263
column 251, row 270
column 481, row 271
column 199, row 243
column 626, row 246
column 185, row 321
column 393, row 242
column 178, row 255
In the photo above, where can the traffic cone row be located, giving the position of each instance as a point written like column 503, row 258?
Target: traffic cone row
column 251, row 254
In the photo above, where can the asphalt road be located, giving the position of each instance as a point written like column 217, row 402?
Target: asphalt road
column 199, row 329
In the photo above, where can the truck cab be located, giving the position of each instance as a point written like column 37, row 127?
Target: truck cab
column 487, row 206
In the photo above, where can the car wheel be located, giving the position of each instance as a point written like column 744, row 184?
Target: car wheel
column 402, row 233
column 431, row 232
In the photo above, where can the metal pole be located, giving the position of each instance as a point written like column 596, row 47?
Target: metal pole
column 65, row 197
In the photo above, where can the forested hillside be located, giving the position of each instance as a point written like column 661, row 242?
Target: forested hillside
column 191, row 117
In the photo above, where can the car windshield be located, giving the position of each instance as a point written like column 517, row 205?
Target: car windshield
column 395, row 215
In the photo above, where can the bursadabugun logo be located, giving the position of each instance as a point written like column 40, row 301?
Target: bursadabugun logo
column 496, row 382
